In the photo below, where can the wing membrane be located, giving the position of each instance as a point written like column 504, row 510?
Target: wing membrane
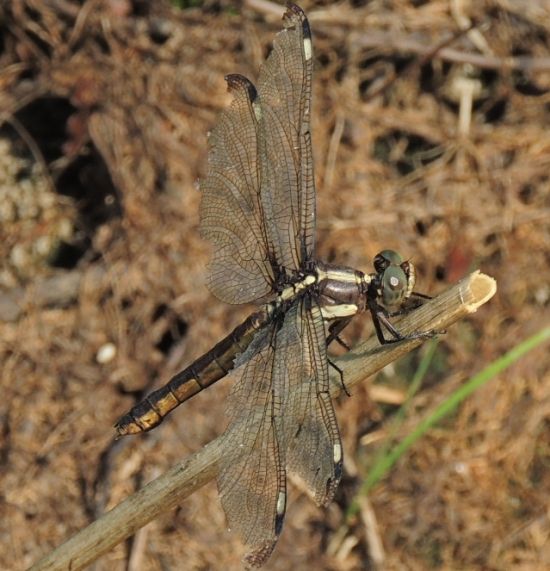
column 314, row 448
column 231, row 216
column 286, row 161
column 280, row 415
column 258, row 209
column 258, row 205
column 252, row 478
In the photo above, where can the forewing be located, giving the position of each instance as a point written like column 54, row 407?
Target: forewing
column 230, row 212
column 314, row 448
column 286, row 161
column 258, row 206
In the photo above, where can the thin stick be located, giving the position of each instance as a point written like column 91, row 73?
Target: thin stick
column 407, row 44
column 171, row 488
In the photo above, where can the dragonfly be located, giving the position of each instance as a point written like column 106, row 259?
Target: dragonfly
column 258, row 210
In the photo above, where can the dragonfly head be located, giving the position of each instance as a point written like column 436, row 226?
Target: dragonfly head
column 395, row 277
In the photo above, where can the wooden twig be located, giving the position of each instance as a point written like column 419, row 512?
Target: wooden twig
column 171, row 488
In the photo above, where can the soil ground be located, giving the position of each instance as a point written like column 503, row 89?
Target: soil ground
column 428, row 139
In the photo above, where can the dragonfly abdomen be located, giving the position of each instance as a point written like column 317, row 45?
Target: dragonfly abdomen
column 202, row 373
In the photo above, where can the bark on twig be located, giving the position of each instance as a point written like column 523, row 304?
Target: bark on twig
column 171, row 488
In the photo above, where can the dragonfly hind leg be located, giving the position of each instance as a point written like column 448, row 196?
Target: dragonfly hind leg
column 335, row 328
column 341, row 375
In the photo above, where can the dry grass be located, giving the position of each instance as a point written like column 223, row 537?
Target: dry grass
column 118, row 98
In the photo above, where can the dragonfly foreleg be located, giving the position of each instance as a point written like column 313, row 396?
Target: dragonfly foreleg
column 381, row 317
column 403, row 310
column 420, row 295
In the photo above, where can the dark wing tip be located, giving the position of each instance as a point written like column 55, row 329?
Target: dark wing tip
column 295, row 15
column 332, row 485
column 292, row 8
column 259, row 556
column 237, row 82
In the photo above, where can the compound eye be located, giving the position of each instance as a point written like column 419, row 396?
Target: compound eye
column 394, row 286
column 379, row 264
column 395, row 283
column 385, row 259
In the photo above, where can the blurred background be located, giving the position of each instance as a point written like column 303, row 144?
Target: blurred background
column 431, row 134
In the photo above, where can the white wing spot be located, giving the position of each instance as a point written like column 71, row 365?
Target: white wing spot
column 281, row 503
column 307, row 48
column 337, row 453
column 257, row 111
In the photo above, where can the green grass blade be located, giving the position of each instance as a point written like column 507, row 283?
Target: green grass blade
column 385, row 463
column 379, row 467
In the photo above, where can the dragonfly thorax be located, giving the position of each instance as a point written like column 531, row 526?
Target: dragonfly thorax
column 342, row 290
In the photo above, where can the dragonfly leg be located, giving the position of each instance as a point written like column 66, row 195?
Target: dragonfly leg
column 342, row 343
column 335, row 328
column 401, row 311
column 341, row 374
column 420, row 295
column 410, row 306
column 380, row 317
column 377, row 313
